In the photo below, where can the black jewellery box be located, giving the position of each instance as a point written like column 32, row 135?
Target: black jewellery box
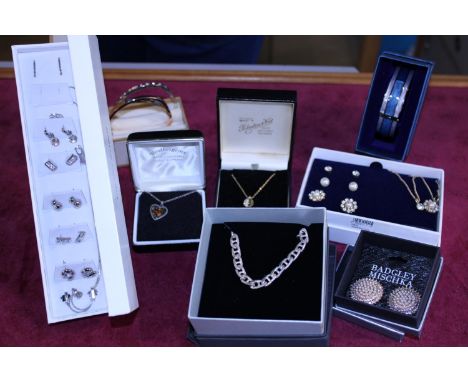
column 168, row 171
column 386, row 284
column 394, row 103
column 255, row 133
column 229, row 307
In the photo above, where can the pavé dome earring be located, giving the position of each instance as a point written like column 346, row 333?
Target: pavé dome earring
column 404, row 300
column 366, row 290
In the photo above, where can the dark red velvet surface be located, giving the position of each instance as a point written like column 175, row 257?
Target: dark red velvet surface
column 327, row 116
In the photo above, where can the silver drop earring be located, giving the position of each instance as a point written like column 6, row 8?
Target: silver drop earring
column 72, row 138
column 328, row 168
column 356, row 173
column 54, row 141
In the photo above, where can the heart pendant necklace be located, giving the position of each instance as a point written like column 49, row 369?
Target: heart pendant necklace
column 159, row 210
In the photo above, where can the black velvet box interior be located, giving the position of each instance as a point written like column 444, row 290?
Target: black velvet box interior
column 167, row 165
column 380, row 194
column 322, row 340
column 369, row 141
column 183, row 220
column 295, row 295
column 394, row 263
column 275, row 193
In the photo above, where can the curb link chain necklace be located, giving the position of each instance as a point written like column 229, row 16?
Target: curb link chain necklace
column 159, row 210
column 430, row 205
column 276, row 272
column 249, row 200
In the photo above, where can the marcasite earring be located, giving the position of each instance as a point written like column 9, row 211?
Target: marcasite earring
column 88, row 272
column 56, row 205
column 68, row 274
column 75, row 202
column 51, row 165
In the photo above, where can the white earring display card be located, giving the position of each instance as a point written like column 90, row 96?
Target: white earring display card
column 64, row 196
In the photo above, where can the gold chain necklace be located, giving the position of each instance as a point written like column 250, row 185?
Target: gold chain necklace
column 430, row 205
column 249, row 200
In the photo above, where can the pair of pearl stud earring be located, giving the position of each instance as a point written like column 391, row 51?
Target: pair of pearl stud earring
column 319, row 195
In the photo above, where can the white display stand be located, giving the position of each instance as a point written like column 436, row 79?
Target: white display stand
column 70, row 155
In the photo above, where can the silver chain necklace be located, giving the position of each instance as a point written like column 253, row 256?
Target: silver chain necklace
column 276, row 272
column 430, row 205
column 249, row 200
column 159, row 210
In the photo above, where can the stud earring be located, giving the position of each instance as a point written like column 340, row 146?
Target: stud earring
column 328, row 168
column 80, row 237
column 404, row 300
column 75, row 202
column 51, row 165
column 325, row 182
column 62, row 240
column 68, row 274
column 348, row 205
column 71, row 160
column 56, row 205
column 88, row 272
column 317, row 195
column 366, row 290
column 356, row 173
column 54, row 141
column 353, row 186
column 72, row 138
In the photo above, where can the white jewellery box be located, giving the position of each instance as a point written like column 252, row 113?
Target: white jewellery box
column 381, row 200
column 292, row 305
column 255, row 131
column 80, row 226
column 145, row 118
column 168, row 170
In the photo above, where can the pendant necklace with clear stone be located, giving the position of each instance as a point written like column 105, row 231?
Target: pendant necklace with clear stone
column 159, row 210
column 249, row 200
column 430, row 205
